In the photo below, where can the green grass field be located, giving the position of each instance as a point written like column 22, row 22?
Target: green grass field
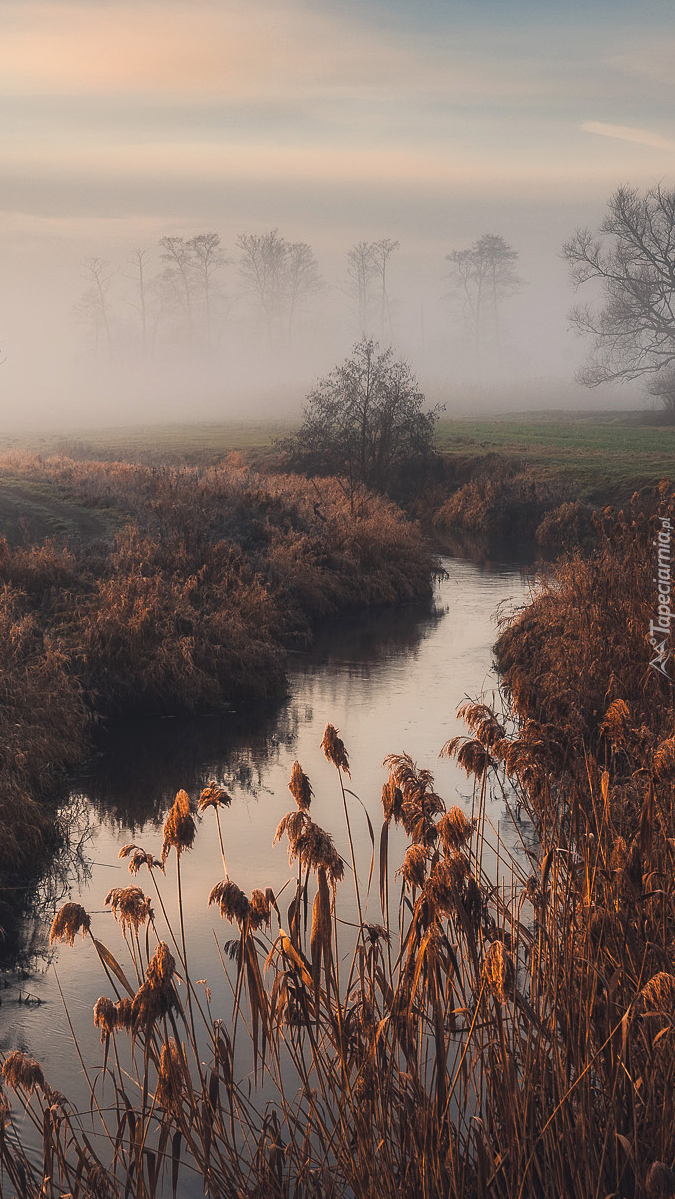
column 195, row 441
column 603, row 455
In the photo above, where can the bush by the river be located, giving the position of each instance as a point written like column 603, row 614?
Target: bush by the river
column 212, row 574
column 503, row 500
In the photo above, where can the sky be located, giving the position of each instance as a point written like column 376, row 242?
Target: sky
column 427, row 121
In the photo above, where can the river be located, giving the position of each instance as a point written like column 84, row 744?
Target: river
column 390, row 682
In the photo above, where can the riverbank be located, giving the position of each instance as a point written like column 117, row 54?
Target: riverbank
column 390, row 681
column 177, row 589
column 591, row 759
column 553, row 974
column 539, row 478
column 518, row 478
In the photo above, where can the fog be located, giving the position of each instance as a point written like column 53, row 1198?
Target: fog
column 427, row 124
column 68, row 364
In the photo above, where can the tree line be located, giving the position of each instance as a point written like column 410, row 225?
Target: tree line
column 630, row 258
column 191, row 288
column 183, row 298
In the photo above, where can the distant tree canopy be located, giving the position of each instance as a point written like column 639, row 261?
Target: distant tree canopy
column 366, row 284
column 280, row 276
column 632, row 257
column 482, row 276
column 365, row 424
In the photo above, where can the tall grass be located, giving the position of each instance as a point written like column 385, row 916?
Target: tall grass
column 503, row 499
column 215, row 571
column 212, row 575
column 473, row 1039
column 478, row 1041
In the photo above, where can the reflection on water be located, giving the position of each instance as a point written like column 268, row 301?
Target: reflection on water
column 26, row 916
column 390, row 682
column 133, row 778
column 138, row 764
column 487, row 552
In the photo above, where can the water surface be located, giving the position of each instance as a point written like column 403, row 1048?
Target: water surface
column 390, row 682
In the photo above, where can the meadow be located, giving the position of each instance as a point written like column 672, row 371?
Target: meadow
column 601, row 457
column 498, row 477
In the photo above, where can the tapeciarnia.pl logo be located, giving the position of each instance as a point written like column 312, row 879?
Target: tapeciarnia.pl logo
column 659, row 630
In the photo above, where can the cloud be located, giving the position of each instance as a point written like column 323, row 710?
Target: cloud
column 205, row 49
column 222, row 49
column 642, row 137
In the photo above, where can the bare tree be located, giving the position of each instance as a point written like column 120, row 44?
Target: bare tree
column 261, row 267
column 662, row 386
column 139, row 262
column 361, row 272
column 303, row 279
column 365, row 423
column 381, row 253
column 93, row 308
column 632, row 257
column 208, row 257
column 179, row 277
column 280, row 275
column 483, row 275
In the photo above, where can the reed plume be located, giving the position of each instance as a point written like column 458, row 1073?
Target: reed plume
column 299, row 786
column 499, row 974
column 392, row 801
column 213, row 796
column 139, row 857
column 170, row 1082
column 658, row 995
column 20, row 1070
column 68, row 922
column 105, row 1016
column 233, row 903
column 414, row 867
column 260, row 906
column 470, row 753
column 124, row 1017
column 660, row 1182
column 419, row 803
column 445, row 884
column 334, row 749
column 149, row 1004
column 310, row 844
column 454, row 829
column 161, row 967
column 664, row 760
column 130, row 906
column 179, row 827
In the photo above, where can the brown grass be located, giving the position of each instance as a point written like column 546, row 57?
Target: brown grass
column 474, row 1050
column 503, row 500
column 508, row 1042
column 213, row 574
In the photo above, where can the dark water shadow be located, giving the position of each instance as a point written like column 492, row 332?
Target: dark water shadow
column 138, row 765
column 489, row 553
column 27, row 908
column 371, row 638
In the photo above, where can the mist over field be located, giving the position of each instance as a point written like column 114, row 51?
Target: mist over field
column 428, row 126
column 54, row 372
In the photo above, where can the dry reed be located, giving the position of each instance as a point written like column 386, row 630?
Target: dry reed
column 511, row 1042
